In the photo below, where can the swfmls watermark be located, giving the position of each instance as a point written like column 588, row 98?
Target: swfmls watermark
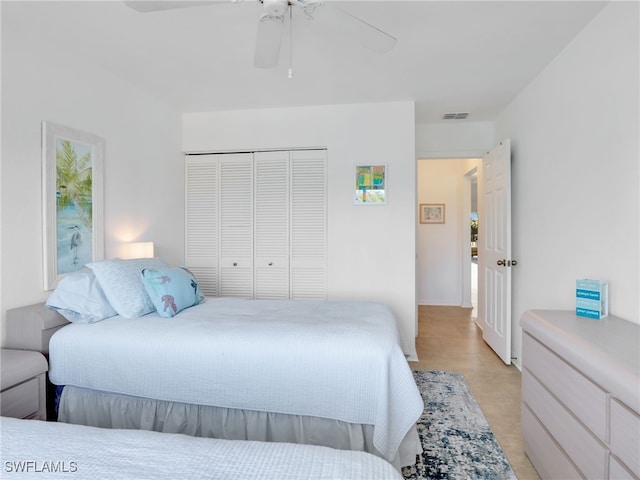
column 34, row 466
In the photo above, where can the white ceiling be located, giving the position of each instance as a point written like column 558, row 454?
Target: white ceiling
column 451, row 56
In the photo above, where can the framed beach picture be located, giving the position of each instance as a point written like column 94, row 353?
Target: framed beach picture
column 432, row 213
column 72, row 200
column 371, row 185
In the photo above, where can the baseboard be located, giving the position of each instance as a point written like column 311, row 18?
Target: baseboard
column 437, row 303
column 412, row 357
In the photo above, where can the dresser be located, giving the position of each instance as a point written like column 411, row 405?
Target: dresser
column 581, row 395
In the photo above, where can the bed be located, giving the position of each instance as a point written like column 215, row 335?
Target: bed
column 328, row 373
column 54, row 450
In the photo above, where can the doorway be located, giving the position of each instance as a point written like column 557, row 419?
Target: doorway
column 473, row 226
column 444, row 254
column 470, row 221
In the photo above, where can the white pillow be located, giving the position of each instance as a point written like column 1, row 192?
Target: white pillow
column 122, row 285
column 79, row 298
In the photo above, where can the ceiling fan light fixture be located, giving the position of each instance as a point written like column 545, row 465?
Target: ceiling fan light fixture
column 271, row 24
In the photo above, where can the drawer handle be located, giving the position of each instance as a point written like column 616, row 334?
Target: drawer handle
column 270, row 263
column 235, row 264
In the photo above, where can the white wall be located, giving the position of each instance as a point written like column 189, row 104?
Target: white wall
column 454, row 139
column 371, row 252
column 440, row 246
column 575, row 178
column 144, row 193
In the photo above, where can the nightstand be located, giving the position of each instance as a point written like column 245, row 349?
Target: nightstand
column 23, row 384
column 30, row 328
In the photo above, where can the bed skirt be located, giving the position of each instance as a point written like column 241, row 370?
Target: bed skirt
column 109, row 410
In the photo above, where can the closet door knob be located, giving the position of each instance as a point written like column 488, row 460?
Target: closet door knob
column 501, row 262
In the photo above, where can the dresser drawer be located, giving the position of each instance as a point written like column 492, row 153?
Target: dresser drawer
column 21, row 401
column 582, row 397
column 546, row 456
column 625, row 436
column 579, row 444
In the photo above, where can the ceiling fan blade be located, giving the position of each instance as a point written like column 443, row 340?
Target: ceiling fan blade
column 146, row 6
column 268, row 41
column 346, row 24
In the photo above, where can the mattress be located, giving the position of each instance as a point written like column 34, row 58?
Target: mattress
column 31, row 448
column 328, row 359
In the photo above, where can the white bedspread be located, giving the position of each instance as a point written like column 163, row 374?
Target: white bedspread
column 339, row 360
column 31, row 448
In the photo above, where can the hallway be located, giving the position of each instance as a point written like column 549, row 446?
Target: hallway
column 450, row 340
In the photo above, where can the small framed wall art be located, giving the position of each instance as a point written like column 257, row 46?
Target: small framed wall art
column 432, row 213
column 371, row 185
column 72, row 200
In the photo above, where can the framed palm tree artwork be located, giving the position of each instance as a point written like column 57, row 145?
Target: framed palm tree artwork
column 72, row 172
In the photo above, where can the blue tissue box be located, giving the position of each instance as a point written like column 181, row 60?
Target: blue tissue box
column 592, row 298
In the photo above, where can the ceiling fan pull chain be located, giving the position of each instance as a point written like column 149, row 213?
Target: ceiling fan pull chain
column 290, row 42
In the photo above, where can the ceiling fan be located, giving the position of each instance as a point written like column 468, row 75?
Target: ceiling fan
column 271, row 24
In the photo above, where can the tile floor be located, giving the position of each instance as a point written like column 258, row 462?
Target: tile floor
column 449, row 339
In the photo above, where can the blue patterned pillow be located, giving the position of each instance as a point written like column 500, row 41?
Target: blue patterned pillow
column 120, row 281
column 171, row 289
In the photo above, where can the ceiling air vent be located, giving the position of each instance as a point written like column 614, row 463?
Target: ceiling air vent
column 455, row 116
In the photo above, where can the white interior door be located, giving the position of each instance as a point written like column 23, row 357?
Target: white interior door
column 495, row 261
column 309, row 224
column 236, row 225
column 201, row 220
column 271, row 227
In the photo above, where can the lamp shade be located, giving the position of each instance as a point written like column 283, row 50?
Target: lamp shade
column 137, row 250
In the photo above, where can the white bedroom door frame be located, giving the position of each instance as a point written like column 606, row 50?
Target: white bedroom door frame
column 495, row 262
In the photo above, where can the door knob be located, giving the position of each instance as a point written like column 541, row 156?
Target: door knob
column 502, row 262
column 512, row 263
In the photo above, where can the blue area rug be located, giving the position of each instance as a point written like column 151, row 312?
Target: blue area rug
column 456, row 438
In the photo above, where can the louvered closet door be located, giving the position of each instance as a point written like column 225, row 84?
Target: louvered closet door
column 236, row 225
column 271, row 230
column 308, row 254
column 201, row 220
